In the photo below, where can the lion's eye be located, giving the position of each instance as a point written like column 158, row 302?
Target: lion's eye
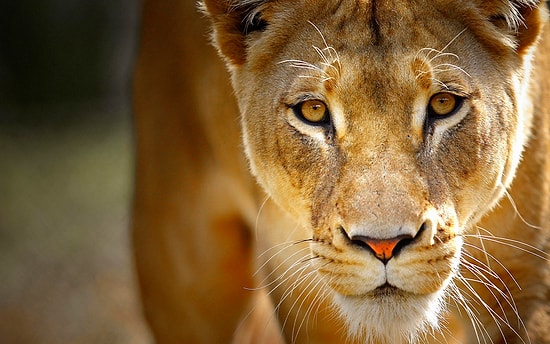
column 444, row 104
column 312, row 111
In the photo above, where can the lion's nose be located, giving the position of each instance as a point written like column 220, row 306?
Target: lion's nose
column 383, row 249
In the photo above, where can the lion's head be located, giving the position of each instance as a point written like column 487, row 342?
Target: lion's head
column 386, row 129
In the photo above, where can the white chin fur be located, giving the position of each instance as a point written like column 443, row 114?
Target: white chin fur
column 390, row 318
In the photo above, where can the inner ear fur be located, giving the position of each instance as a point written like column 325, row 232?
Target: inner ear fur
column 230, row 21
column 521, row 20
column 530, row 30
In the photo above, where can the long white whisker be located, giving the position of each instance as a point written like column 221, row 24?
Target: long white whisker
column 516, row 210
column 257, row 222
column 329, row 49
column 489, row 269
column 516, row 244
column 450, row 67
column 321, row 54
column 474, row 297
column 289, row 292
column 498, row 319
column 467, row 304
column 304, row 299
column 491, row 288
column 440, row 83
column 484, row 249
column 297, row 276
column 303, row 65
column 281, row 276
column 454, row 39
column 287, row 245
column 478, row 272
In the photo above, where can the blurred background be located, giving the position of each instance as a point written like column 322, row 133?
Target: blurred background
column 66, row 166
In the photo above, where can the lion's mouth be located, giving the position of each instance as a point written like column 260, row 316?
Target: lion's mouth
column 386, row 290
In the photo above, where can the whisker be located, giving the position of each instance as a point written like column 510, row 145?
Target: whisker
column 329, row 49
column 498, row 319
column 322, row 295
column 441, row 83
column 469, row 306
column 450, row 67
column 321, row 54
column 289, row 292
column 320, row 79
column 306, row 291
column 303, row 65
column 516, row 244
column 454, row 39
column 474, row 297
column 431, row 54
column 281, row 276
column 287, row 245
column 479, row 272
column 516, row 210
column 318, row 282
column 257, row 222
column 484, row 249
column 297, row 275
column 491, row 287
column 329, row 60
column 488, row 255
column 506, row 294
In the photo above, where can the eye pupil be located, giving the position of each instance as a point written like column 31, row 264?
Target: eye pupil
column 314, row 111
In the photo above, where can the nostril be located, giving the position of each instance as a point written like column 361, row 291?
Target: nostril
column 383, row 249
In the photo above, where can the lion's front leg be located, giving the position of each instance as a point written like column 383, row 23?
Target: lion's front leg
column 193, row 267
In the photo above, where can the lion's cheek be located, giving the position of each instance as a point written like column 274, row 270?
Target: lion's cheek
column 290, row 175
column 352, row 278
column 423, row 275
column 293, row 195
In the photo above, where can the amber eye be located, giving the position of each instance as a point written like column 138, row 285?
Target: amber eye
column 444, row 104
column 312, row 111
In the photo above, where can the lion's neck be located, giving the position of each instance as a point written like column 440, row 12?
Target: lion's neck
column 521, row 221
column 531, row 187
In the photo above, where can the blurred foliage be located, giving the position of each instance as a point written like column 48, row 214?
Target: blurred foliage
column 62, row 52
column 66, row 160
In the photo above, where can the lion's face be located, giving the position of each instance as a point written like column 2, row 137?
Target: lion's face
column 386, row 131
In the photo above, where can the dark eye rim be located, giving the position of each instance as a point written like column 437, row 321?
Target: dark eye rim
column 325, row 122
column 433, row 116
column 254, row 23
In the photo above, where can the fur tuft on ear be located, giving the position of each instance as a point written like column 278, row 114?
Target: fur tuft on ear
column 519, row 20
column 232, row 21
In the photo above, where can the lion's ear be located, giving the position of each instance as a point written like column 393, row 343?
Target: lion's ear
column 232, row 21
column 520, row 20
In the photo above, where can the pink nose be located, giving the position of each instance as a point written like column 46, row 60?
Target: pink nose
column 383, row 249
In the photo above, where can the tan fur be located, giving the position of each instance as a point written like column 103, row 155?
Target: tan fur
column 221, row 258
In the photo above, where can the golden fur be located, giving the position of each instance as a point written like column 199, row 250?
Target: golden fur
column 401, row 160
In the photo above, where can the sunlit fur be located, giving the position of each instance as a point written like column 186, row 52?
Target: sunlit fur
column 252, row 224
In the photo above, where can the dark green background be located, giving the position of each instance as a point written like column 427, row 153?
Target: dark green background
column 66, row 160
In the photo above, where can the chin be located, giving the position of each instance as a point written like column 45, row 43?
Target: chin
column 389, row 315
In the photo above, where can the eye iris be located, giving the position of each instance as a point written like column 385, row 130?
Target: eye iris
column 443, row 103
column 313, row 110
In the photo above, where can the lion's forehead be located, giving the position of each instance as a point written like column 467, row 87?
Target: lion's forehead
column 378, row 47
column 377, row 36
column 371, row 26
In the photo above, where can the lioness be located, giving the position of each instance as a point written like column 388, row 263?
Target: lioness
column 402, row 160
